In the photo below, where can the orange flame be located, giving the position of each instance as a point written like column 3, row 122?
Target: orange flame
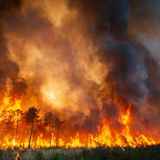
column 106, row 136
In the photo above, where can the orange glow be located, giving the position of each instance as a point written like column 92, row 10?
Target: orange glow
column 124, row 119
column 58, row 59
column 106, row 135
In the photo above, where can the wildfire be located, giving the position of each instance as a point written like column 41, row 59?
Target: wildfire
column 124, row 119
column 73, row 75
column 14, row 131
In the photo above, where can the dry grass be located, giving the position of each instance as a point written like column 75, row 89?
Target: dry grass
column 139, row 153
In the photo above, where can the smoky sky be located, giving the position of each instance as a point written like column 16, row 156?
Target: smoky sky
column 102, row 15
column 132, row 73
column 8, row 68
column 129, row 68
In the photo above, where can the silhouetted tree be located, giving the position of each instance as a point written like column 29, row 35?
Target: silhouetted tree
column 30, row 116
column 57, row 123
column 18, row 113
column 49, row 120
column 9, row 123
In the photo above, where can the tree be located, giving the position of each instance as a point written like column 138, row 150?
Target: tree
column 49, row 120
column 18, row 114
column 30, row 116
column 57, row 123
column 53, row 121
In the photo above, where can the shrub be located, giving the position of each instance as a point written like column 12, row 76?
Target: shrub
column 39, row 156
column 1, row 154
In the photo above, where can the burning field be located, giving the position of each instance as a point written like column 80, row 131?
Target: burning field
column 79, row 73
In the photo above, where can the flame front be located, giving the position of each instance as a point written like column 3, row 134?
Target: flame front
column 14, row 132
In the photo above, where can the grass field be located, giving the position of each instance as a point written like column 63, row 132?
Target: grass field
column 139, row 153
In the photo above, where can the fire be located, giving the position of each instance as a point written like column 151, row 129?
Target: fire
column 124, row 119
column 9, row 104
column 11, row 112
column 73, row 75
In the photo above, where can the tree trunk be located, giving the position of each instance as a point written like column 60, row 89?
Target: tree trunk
column 1, row 134
column 57, row 136
column 30, row 136
column 17, row 127
column 50, row 136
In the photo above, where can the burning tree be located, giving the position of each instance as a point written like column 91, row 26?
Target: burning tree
column 30, row 116
column 58, row 124
column 12, row 120
column 49, row 121
column 53, row 121
column 18, row 117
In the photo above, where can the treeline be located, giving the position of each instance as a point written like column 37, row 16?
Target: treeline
column 16, row 123
column 50, row 120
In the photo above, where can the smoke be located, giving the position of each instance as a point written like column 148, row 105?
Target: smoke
column 127, row 73
column 145, row 15
column 107, row 14
column 8, row 69
column 81, row 58
column 133, row 73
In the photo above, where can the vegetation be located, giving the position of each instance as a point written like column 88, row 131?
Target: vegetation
column 58, row 124
column 139, row 153
column 33, row 125
column 53, row 121
column 31, row 115
column 49, row 121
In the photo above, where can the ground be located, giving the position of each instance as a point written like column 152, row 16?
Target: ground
column 100, row 153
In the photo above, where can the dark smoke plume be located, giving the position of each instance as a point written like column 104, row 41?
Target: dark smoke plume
column 111, row 15
column 127, row 74
column 133, row 75
column 8, row 69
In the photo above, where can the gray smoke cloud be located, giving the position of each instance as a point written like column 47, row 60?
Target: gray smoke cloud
column 109, row 18
column 133, row 74
column 8, row 69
